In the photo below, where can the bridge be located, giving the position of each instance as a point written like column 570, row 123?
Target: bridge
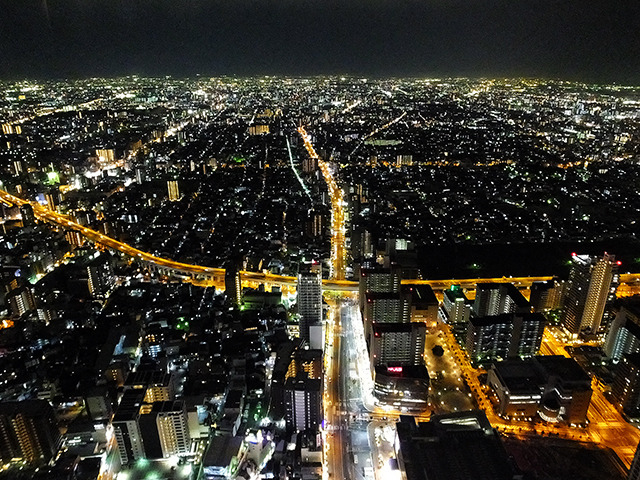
column 212, row 276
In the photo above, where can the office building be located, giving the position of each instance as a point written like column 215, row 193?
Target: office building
column 397, row 343
column 553, row 387
column 28, row 432
column 624, row 333
column 457, row 446
column 592, row 284
column 499, row 337
column 309, row 293
column 497, row 298
column 626, row 386
column 174, row 190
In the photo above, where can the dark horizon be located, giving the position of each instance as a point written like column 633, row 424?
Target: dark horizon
column 589, row 41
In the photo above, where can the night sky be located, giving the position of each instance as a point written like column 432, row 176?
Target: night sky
column 573, row 40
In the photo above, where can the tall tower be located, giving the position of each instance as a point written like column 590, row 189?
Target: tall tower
column 174, row 191
column 309, row 300
column 592, row 283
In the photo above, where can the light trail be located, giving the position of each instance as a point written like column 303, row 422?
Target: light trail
column 376, row 131
column 295, row 171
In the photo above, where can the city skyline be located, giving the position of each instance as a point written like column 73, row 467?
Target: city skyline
column 592, row 41
column 276, row 277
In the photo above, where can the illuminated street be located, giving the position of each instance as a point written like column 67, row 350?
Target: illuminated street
column 338, row 258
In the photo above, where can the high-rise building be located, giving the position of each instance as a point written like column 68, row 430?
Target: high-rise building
column 378, row 280
column 28, row 216
column 624, row 333
column 28, row 431
column 303, row 391
column 164, row 430
column 232, row 284
column 21, row 300
column 626, row 386
column 174, row 190
column 309, row 293
column 592, row 284
column 384, row 308
column 546, row 295
column 456, row 306
column 99, row 277
column 397, row 343
column 126, row 427
column 504, row 336
column 497, row 298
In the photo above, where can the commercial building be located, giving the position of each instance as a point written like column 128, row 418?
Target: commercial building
column 504, row 336
column 405, row 387
column 28, row 432
column 554, row 387
column 592, row 284
column 457, row 446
